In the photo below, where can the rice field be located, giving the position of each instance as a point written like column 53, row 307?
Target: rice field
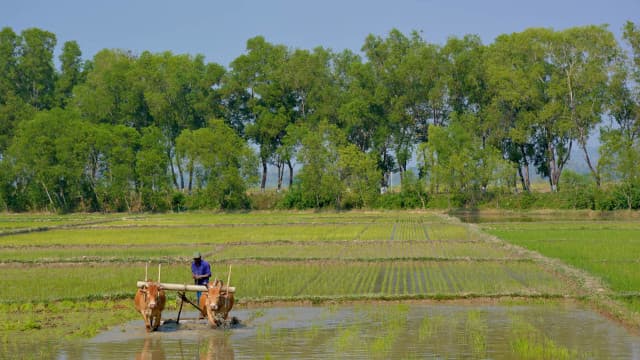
column 52, row 263
column 274, row 256
column 607, row 249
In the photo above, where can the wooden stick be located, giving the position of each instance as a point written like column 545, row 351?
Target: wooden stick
column 146, row 272
column 159, row 265
column 229, row 277
column 184, row 287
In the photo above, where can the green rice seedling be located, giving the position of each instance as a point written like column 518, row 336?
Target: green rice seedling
column 347, row 338
column 529, row 342
column 458, row 232
column 476, row 333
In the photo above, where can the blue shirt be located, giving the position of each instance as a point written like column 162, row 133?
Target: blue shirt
column 203, row 269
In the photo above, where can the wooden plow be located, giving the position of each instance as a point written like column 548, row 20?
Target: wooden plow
column 182, row 289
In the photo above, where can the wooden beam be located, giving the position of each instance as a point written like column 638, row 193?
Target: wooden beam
column 184, row 287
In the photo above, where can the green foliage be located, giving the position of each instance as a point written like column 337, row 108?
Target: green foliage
column 223, row 166
column 451, row 160
column 134, row 130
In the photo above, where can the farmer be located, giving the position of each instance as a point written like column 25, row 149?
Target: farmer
column 201, row 272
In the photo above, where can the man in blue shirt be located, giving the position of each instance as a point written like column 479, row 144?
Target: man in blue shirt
column 201, row 272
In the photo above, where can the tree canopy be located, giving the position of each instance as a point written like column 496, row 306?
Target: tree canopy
column 155, row 132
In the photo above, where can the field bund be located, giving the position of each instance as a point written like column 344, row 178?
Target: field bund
column 56, row 270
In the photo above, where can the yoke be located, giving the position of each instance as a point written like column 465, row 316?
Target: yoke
column 185, row 287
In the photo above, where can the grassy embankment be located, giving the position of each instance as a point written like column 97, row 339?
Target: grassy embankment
column 85, row 267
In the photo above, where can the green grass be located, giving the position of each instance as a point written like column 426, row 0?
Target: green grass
column 606, row 249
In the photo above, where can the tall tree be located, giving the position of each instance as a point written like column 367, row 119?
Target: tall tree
column 113, row 93
column 71, row 72
column 36, row 72
column 525, row 85
column 267, row 100
column 179, row 92
column 581, row 59
column 620, row 143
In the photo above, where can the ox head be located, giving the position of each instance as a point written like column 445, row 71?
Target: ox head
column 213, row 290
column 151, row 292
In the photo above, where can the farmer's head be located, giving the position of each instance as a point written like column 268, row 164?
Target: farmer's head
column 197, row 257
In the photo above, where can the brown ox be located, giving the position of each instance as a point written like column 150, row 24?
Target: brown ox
column 216, row 303
column 150, row 300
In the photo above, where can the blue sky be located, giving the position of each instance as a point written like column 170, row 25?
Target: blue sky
column 219, row 29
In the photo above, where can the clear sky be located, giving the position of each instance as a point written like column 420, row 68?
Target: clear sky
column 219, row 29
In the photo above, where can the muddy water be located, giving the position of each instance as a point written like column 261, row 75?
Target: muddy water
column 375, row 331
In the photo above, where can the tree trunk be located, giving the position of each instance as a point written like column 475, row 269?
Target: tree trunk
column 594, row 172
column 290, row 173
column 181, row 173
column 190, row 178
column 46, row 190
column 173, row 171
column 524, row 171
column 553, row 167
column 263, row 183
column 280, row 165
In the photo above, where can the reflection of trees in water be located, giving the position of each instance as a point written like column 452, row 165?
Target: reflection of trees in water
column 151, row 350
column 218, row 347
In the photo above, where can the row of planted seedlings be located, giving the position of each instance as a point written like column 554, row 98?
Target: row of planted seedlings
column 268, row 280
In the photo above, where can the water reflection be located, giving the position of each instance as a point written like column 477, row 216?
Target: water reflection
column 152, row 350
column 218, row 347
column 377, row 331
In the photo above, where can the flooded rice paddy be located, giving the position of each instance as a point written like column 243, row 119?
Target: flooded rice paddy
column 382, row 330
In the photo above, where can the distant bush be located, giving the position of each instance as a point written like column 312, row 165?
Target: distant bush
column 266, row 200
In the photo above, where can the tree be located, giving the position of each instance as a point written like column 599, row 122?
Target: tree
column 113, row 93
column 263, row 99
column 36, row 73
column 359, row 173
column 179, row 92
column 451, row 159
column 224, row 164
column 49, row 169
column 525, row 83
column 152, row 166
column 319, row 179
column 581, row 59
column 13, row 108
column 620, row 143
column 71, row 72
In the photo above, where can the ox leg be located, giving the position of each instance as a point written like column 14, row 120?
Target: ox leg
column 147, row 321
column 156, row 321
column 212, row 317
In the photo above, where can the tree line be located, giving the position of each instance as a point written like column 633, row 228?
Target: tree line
column 160, row 131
